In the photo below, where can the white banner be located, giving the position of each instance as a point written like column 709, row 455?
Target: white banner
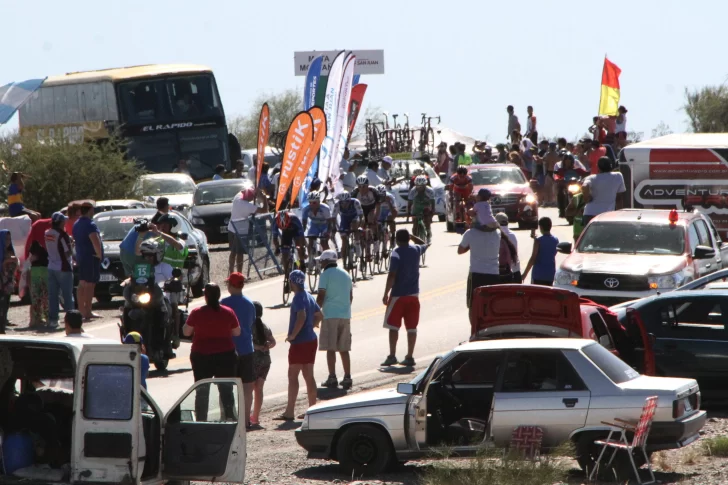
column 330, row 105
column 367, row 61
column 342, row 120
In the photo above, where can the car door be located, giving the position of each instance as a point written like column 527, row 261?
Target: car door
column 706, row 239
column 700, row 266
column 204, row 437
column 541, row 388
column 417, row 410
column 107, row 431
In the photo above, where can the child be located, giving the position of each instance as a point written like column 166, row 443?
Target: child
column 543, row 258
column 134, row 338
column 483, row 213
column 263, row 341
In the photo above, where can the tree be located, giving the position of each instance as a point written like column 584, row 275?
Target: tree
column 283, row 108
column 661, row 129
column 707, row 109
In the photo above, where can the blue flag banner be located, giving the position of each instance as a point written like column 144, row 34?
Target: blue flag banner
column 13, row 95
column 356, row 80
column 309, row 99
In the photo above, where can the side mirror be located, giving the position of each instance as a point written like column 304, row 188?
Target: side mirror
column 406, row 388
column 564, row 247
column 704, row 252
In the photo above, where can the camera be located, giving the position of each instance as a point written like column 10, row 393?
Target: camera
column 141, row 225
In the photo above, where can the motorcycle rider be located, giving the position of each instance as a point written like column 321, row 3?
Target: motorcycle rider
column 175, row 254
column 567, row 169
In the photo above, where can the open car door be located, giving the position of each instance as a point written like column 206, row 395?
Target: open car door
column 204, row 434
column 107, row 433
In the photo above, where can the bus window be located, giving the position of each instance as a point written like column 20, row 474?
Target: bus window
column 193, row 96
column 140, row 101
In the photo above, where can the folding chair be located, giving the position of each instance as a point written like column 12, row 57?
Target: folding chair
column 641, row 429
column 527, row 440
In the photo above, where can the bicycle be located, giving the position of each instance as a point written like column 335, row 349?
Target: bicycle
column 421, row 232
column 313, row 268
column 427, row 134
column 349, row 258
column 382, row 257
column 288, row 262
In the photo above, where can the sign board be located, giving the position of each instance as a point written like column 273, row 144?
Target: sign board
column 367, row 62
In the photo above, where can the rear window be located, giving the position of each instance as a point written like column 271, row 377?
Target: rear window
column 611, row 365
column 632, row 238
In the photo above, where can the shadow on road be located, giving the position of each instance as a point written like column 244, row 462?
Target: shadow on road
column 325, row 393
column 168, row 373
column 397, row 370
column 288, row 426
column 405, row 475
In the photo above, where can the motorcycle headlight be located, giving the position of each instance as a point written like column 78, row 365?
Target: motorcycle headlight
column 666, row 282
column 142, row 298
column 529, row 199
column 567, row 278
column 574, row 188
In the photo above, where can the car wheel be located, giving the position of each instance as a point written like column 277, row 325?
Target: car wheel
column 364, row 450
column 199, row 288
column 103, row 298
column 441, row 217
column 450, row 226
column 587, row 453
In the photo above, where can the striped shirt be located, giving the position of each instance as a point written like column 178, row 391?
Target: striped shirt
column 58, row 245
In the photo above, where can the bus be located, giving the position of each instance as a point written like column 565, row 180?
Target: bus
column 166, row 113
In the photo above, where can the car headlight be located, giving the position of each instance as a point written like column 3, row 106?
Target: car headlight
column 142, row 298
column 567, row 278
column 529, row 199
column 574, row 188
column 666, row 282
column 304, row 425
column 197, row 221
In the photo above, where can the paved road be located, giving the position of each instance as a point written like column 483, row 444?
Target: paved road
column 443, row 322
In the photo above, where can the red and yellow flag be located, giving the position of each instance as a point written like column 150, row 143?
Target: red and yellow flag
column 609, row 101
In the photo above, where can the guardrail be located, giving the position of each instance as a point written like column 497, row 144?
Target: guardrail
column 258, row 243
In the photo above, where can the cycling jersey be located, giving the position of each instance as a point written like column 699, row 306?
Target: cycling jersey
column 421, row 200
column 348, row 213
column 385, row 208
column 319, row 221
column 293, row 231
column 463, row 186
column 368, row 200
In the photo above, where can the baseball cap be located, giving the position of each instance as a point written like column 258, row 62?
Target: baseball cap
column 236, row 280
column 387, row 159
column 485, row 193
column 502, row 218
column 58, row 217
column 329, row 255
column 297, row 277
column 133, row 338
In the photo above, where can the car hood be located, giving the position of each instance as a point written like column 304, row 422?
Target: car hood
column 212, row 210
column 635, row 264
column 670, row 385
column 502, row 189
column 175, row 200
column 365, row 399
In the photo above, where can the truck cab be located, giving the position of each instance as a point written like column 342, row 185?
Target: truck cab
column 81, row 402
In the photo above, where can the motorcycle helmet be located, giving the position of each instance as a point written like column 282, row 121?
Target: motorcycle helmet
column 152, row 248
column 362, row 180
column 421, row 181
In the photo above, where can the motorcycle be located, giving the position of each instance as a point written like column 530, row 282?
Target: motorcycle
column 569, row 185
column 573, row 187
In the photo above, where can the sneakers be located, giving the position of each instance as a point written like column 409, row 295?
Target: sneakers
column 330, row 382
column 346, row 383
column 408, row 362
column 390, row 360
column 175, row 342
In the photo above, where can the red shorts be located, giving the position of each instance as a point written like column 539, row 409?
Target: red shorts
column 405, row 308
column 303, row 353
column 463, row 192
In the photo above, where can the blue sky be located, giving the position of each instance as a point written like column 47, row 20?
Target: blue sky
column 463, row 60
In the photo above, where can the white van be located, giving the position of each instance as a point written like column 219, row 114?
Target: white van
column 92, row 421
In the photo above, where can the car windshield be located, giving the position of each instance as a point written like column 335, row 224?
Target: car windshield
column 611, row 365
column 115, row 228
column 632, row 237
column 495, row 176
column 158, row 186
column 217, row 194
column 406, row 169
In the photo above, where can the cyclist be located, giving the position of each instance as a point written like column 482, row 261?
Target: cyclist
column 351, row 214
column 462, row 189
column 369, row 199
column 416, row 173
column 320, row 216
column 288, row 226
column 387, row 211
column 421, row 204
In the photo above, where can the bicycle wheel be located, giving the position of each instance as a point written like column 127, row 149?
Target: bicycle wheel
column 286, row 290
column 353, row 263
column 422, row 234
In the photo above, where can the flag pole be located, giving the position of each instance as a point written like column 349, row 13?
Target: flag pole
column 604, row 64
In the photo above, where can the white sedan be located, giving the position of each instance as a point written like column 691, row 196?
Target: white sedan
column 404, row 170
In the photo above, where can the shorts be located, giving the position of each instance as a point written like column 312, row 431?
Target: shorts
column 345, row 224
column 463, row 193
column 294, row 231
column 318, row 231
column 405, row 308
column 244, row 368
column 236, row 244
column 368, row 209
column 476, row 280
column 89, row 270
column 261, row 364
column 335, row 335
column 303, row 353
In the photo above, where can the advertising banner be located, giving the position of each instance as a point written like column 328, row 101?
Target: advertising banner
column 263, row 134
column 367, row 61
column 315, row 86
column 342, row 123
column 319, row 132
column 299, row 139
column 357, row 98
column 331, row 100
column 312, row 80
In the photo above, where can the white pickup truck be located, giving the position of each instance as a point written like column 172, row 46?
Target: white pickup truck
column 92, row 421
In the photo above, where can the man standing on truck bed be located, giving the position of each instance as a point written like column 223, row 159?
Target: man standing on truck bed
column 601, row 191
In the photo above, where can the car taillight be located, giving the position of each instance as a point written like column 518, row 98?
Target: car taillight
column 678, row 408
column 686, row 405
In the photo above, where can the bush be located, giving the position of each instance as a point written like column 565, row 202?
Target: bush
column 61, row 172
column 716, row 446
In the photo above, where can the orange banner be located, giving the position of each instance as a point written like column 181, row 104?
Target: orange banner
column 319, row 133
column 298, row 141
column 263, row 134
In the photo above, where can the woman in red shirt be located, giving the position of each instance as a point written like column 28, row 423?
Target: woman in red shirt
column 212, row 327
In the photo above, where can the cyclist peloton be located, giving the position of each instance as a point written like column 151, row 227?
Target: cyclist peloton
column 288, row 226
column 369, row 199
column 387, row 212
column 421, row 204
column 320, row 216
column 462, row 189
column 351, row 214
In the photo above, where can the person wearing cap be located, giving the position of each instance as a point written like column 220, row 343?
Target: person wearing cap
column 175, row 248
column 89, row 253
column 60, row 267
column 245, row 311
column 383, row 171
column 243, row 208
column 335, row 295
column 305, row 315
column 135, row 338
column 509, row 249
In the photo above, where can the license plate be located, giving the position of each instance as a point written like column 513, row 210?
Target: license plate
column 107, row 277
column 223, row 230
column 498, row 209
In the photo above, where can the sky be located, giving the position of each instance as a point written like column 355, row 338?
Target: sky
column 463, row 60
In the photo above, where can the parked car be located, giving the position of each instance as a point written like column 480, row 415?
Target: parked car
column 110, row 429
column 179, row 188
column 212, row 205
column 635, row 253
column 512, row 193
column 403, row 170
column 474, row 396
column 688, row 331
column 712, row 281
column 114, row 227
column 272, row 157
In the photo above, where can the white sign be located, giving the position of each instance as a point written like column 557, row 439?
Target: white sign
column 367, row 62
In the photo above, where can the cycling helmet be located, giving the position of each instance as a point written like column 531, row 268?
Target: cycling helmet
column 421, row 181
column 314, row 196
column 382, row 189
column 462, row 170
column 344, row 196
column 362, row 180
column 417, row 171
column 151, row 248
column 283, row 219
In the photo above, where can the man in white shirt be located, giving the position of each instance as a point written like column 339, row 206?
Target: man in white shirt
column 484, row 248
column 74, row 325
column 601, row 191
column 371, row 174
column 348, row 168
column 243, row 207
column 383, row 172
column 531, row 130
column 502, row 219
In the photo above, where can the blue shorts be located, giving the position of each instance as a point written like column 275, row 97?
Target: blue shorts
column 89, row 270
column 383, row 214
column 315, row 230
column 344, row 225
column 294, row 231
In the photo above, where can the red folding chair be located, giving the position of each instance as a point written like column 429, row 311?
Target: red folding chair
column 527, row 440
column 641, row 430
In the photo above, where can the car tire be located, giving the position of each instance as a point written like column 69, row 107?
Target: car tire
column 364, row 450
column 199, row 288
column 441, row 217
column 587, row 453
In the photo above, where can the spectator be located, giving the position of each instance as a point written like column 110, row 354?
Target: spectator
column 597, row 130
column 527, row 158
column 543, row 257
column 383, row 172
column 502, row 153
column 219, row 172
column 38, row 285
column 502, row 219
column 531, row 130
column 73, row 212
column 238, row 226
column 621, row 128
column 60, row 268
column 463, row 158
column 516, row 138
column 443, row 159
column 543, row 147
column 9, row 263
column 561, row 144
column 484, row 248
column 513, row 124
column 401, row 295
column 452, row 167
column 240, row 172
column 550, row 187
column 134, row 338
column 335, row 295
column 16, row 207
column 507, row 255
column 265, row 182
column 348, row 169
column 89, row 253
column 253, row 169
column 73, row 323
column 515, row 158
column 162, row 209
column 183, row 166
column 263, row 341
column 212, row 328
column 245, row 312
column 597, row 151
column 37, row 234
column 305, row 315
column 601, row 191
column 371, row 174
